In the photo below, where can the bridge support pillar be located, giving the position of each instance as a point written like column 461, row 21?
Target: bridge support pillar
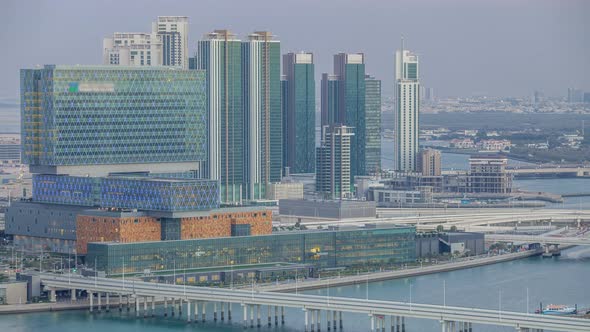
column 165, row 306
column 120, row 302
column 258, row 315
column 340, row 318
column 179, row 308
column 282, row 315
column 306, row 319
column 108, row 306
column 72, row 295
column 403, row 324
column 204, row 312
column 251, row 315
column 136, row 306
column 312, row 321
column 443, row 325
column 99, row 296
column 145, row 301
column 188, row 311
column 276, row 315
column 245, row 308
column 334, row 319
column 91, row 297
column 229, row 311
column 269, row 316
column 215, row 311
column 128, row 305
column 469, row 327
column 372, row 322
column 328, row 320
column 397, row 326
column 196, row 311
column 319, row 319
column 222, row 311
column 153, row 306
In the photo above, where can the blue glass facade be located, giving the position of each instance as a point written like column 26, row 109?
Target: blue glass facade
column 144, row 193
column 95, row 115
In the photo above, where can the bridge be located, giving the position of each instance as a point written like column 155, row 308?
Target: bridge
column 469, row 220
column 550, row 170
column 311, row 305
column 577, row 241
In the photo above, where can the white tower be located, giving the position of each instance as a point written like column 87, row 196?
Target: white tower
column 407, row 110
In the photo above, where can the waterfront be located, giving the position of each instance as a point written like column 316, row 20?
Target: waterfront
column 556, row 280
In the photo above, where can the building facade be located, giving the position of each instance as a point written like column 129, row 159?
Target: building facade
column 487, row 174
column 78, row 119
column 333, row 162
column 407, row 111
column 429, row 162
column 299, row 112
column 132, row 49
column 263, row 118
column 173, row 34
column 329, row 99
column 219, row 54
column 372, row 143
column 354, row 248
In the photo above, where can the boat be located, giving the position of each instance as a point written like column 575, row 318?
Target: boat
column 558, row 309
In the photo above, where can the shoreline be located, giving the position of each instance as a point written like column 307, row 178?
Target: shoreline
column 291, row 287
column 390, row 275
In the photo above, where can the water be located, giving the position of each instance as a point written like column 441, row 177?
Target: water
column 557, row 280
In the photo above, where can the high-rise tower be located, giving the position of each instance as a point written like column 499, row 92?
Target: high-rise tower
column 263, row 119
column 407, row 110
column 173, row 33
column 299, row 112
column 220, row 55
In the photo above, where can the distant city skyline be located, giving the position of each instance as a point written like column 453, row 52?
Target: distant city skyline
column 496, row 48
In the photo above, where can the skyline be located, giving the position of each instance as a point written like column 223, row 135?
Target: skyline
column 456, row 61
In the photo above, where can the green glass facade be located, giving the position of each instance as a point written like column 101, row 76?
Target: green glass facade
column 323, row 249
column 299, row 113
column 221, row 58
column 353, row 115
column 93, row 115
column 372, row 143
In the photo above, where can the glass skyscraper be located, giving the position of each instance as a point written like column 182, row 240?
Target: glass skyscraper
column 152, row 118
column 263, row 118
column 299, row 112
column 220, row 55
column 372, row 125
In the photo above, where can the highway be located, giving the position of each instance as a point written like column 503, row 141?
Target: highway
column 539, row 239
column 314, row 304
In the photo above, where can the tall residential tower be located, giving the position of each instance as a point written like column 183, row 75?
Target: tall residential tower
column 407, row 93
column 299, row 112
column 219, row 54
column 262, row 104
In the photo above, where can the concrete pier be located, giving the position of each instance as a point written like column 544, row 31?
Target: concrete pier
column 188, row 311
column 91, row 297
column 98, row 305
column 165, row 306
column 204, row 313
column 215, row 311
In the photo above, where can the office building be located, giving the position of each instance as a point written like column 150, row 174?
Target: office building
column 219, row 54
column 299, row 112
column 301, row 210
column 407, row 110
column 487, row 174
column 89, row 120
column 372, row 121
column 333, row 162
column 263, row 118
column 429, row 162
column 126, row 140
column 353, row 248
column 132, row 49
column 575, row 95
column 9, row 153
column 173, row 34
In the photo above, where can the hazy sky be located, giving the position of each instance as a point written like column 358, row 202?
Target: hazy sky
column 495, row 47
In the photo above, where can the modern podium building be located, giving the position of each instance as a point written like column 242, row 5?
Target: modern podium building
column 117, row 139
column 344, row 248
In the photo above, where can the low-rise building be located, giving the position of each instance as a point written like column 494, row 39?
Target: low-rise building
column 13, row 292
column 291, row 210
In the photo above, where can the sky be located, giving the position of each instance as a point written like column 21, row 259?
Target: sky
column 466, row 47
